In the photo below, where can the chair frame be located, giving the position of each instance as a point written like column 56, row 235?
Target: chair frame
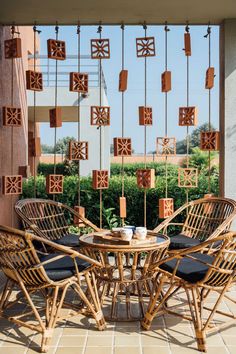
column 52, row 226
column 219, row 278
column 191, row 228
column 24, row 271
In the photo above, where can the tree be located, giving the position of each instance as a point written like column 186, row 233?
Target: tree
column 47, row 149
column 194, row 139
column 63, row 144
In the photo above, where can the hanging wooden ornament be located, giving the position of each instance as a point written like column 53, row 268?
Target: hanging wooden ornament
column 81, row 211
column 56, row 49
column 210, row 77
column 12, row 116
column 12, row 185
column 78, row 82
column 166, row 146
column 100, row 179
column 34, row 80
column 100, row 48
column 187, row 116
column 123, row 212
column 78, row 150
column 187, row 44
column 123, row 80
column 55, row 116
column 145, row 47
column 145, row 115
column 100, row 115
column 166, row 81
column 24, row 171
column 54, row 184
column 166, row 207
column 145, row 178
column 35, row 145
column 122, row 147
column 188, row 177
column 210, row 141
column 12, row 48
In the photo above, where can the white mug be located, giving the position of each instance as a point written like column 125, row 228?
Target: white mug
column 126, row 234
column 141, row 233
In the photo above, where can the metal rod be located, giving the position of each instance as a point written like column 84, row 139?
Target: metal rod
column 78, row 116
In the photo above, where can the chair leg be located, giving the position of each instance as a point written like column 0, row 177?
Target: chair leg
column 6, row 294
column 195, row 309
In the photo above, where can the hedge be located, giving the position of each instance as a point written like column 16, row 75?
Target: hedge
column 134, row 195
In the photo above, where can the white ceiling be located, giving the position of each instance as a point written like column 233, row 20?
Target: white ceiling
column 26, row 12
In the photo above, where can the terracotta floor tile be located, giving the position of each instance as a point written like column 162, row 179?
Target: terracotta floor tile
column 103, row 341
column 98, row 350
column 69, row 350
column 156, row 350
column 128, row 341
column 149, row 340
column 127, row 350
column 72, row 341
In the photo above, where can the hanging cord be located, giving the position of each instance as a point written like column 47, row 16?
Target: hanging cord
column 187, row 98
column 55, row 129
column 145, row 129
column 122, row 112
column 166, row 109
column 12, row 129
column 208, row 35
column 78, row 117
column 99, row 31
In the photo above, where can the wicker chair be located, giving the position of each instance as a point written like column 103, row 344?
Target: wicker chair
column 198, row 274
column 51, row 220
column 203, row 219
column 46, row 278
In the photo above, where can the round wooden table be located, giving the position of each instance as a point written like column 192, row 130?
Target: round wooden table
column 125, row 281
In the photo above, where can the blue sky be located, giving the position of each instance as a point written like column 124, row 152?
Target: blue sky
column 134, row 96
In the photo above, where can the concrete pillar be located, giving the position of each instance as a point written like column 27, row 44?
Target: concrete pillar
column 228, row 109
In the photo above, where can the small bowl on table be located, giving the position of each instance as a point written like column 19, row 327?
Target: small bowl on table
column 126, row 234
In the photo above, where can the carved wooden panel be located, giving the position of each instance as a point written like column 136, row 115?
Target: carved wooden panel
column 210, row 76
column 122, row 201
column 11, row 185
column 12, row 116
column 24, row 171
column 80, row 210
column 55, row 117
column 146, row 178
column 187, row 44
column 79, row 82
column 100, row 115
column 100, row 48
column 78, row 150
column 122, row 147
column 123, row 80
column 166, row 81
column 54, row 184
column 100, row 179
column 188, row 177
column 56, row 49
column 166, row 207
column 34, row 80
column 166, row 146
column 145, row 115
column 145, row 47
column 12, row 48
column 187, row 116
column 210, row 141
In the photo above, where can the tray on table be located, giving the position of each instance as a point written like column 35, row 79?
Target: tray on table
column 114, row 237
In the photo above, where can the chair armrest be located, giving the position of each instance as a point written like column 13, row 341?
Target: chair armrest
column 66, row 250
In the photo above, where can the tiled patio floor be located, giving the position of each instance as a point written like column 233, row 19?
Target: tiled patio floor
column 78, row 335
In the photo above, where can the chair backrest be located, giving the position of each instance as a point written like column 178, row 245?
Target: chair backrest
column 223, row 269
column 18, row 258
column 46, row 218
column 208, row 217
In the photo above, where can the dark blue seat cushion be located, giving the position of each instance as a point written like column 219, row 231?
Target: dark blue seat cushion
column 62, row 268
column 70, row 240
column 181, row 241
column 189, row 269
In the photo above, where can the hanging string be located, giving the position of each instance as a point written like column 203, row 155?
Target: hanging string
column 122, row 112
column 99, row 31
column 208, row 35
column 34, row 128
column 55, row 129
column 187, row 99
column 145, row 128
column 166, row 109
column 78, row 117
column 12, row 131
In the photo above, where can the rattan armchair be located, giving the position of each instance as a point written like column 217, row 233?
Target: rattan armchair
column 198, row 273
column 52, row 220
column 48, row 278
column 201, row 220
